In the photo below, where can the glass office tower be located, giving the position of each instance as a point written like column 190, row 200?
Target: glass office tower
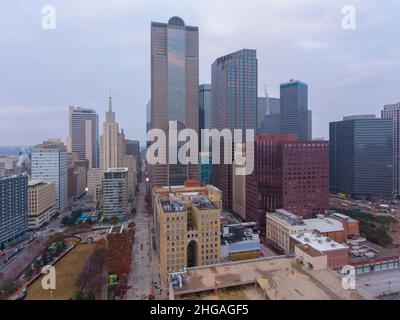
column 234, row 106
column 294, row 114
column 174, row 90
column 361, row 157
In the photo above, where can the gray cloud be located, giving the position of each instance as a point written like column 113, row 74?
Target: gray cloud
column 101, row 44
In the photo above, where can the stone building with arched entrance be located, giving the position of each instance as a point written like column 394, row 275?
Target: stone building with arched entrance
column 187, row 223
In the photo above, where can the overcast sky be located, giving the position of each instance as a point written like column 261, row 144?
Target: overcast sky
column 102, row 44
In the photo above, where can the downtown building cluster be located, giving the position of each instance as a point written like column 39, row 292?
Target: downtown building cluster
column 292, row 172
column 286, row 196
column 46, row 181
column 283, row 146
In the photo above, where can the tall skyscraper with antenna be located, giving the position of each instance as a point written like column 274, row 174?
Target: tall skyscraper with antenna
column 111, row 142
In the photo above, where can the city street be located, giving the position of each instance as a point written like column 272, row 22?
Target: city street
column 144, row 270
column 32, row 249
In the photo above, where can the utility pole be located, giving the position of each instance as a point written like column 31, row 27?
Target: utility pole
column 292, row 264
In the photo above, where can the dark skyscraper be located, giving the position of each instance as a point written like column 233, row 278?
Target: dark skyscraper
column 13, row 208
column 294, row 114
column 288, row 174
column 273, row 117
column 174, row 89
column 234, row 106
column 205, row 106
column 148, row 120
column 262, row 107
column 361, row 157
column 132, row 147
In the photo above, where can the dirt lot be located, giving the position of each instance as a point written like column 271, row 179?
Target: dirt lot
column 67, row 270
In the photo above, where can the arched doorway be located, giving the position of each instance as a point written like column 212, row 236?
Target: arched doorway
column 192, row 254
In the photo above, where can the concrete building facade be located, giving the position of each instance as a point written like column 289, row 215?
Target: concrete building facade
column 95, row 178
column 41, row 203
column 77, row 178
column 187, row 223
column 337, row 254
column 112, row 142
column 83, row 138
column 130, row 162
column 280, row 225
column 8, row 165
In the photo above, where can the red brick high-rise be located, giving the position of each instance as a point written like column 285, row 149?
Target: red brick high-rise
column 288, row 174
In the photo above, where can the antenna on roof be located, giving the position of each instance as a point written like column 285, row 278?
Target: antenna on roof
column 267, row 104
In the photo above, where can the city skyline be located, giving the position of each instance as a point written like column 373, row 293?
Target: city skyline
column 268, row 173
column 120, row 58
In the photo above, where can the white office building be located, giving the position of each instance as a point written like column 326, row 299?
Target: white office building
column 115, row 192
column 50, row 164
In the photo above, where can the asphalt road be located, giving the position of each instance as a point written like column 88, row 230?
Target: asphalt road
column 30, row 251
column 144, row 269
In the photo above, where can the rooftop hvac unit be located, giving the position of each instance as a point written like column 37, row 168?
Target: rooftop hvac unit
column 225, row 230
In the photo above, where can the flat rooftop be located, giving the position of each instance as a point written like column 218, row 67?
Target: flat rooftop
column 287, row 217
column 121, row 169
column 366, row 251
column 236, row 233
column 273, row 277
column 185, row 189
column 204, row 203
column 170, row 206
column 33, row 183
column 325, row 224
column 342, row 216
column 310, row 250
column 317, row 241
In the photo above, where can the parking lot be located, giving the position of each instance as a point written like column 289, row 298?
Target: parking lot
column 378, row 283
